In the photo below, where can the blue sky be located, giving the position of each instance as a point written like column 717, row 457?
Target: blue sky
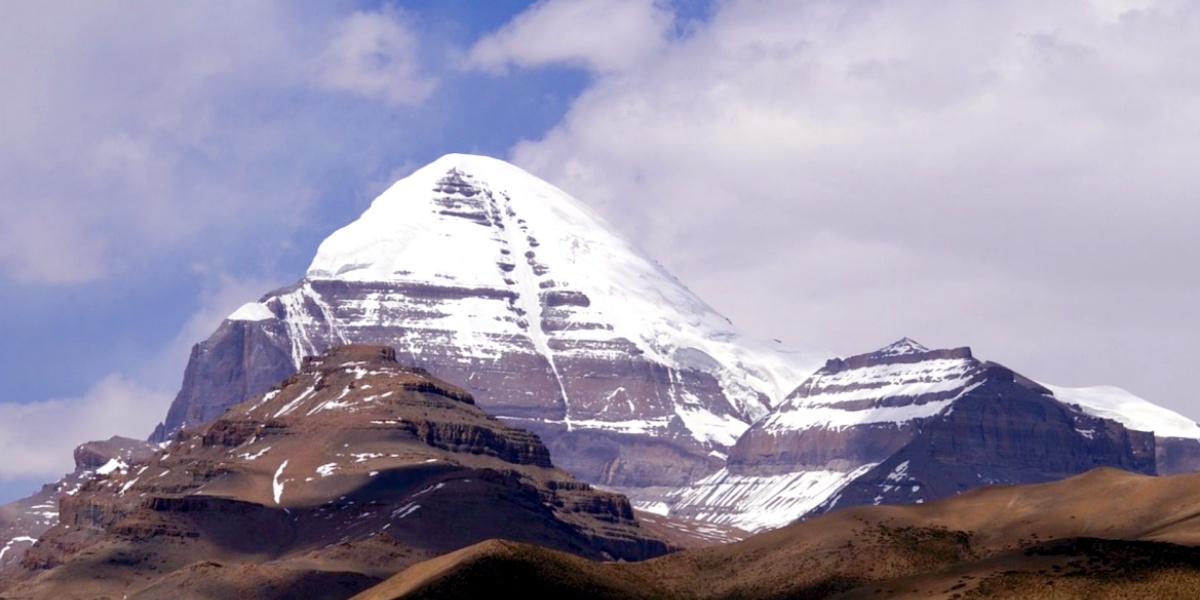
column 1019, row 176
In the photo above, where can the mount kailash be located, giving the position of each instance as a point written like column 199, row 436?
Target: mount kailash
column 493, row 280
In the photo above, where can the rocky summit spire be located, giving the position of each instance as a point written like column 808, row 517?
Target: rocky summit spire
column 501, row 283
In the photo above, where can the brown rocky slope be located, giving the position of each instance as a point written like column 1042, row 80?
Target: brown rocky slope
column 347, row 472
column 23, row 521
column 1106, row 533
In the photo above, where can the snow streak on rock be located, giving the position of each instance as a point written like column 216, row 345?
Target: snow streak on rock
column 758, row 503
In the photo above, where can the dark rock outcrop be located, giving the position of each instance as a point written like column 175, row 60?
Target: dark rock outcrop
column 908, row 424
column 999, row 432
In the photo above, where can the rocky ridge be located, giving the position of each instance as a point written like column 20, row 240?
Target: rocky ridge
column 22, row 522
column 348, row 470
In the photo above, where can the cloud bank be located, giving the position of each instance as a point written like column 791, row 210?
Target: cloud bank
column 138, row 132
column 838, row 174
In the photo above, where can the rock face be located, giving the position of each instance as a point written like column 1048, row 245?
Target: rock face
column 1177, row 439
column 355, row 465
column 906, row 424
column 488, row 277
column 999, row 432
column 22, row 522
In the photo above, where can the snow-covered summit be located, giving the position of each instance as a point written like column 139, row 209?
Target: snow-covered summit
column 901, row 347
column 418, row 230
column 472, row 222
column 495, row 280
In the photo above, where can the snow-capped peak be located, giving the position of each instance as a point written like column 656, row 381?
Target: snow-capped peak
column 901, row 347
column 474, row 223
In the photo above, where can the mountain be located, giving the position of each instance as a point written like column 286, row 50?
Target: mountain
column 908, row 424
column 1177, row 438
column 22, row 522
column 1103, row 534
column 346, row 472
column 491, row 278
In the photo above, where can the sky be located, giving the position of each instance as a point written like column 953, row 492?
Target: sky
column 1019, row 176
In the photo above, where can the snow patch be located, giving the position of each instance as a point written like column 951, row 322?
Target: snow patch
column 129, row 484
column 290, row 406
column 276, row 484
column 709, row 428
column 655, row 507
column 759, row 503
column 9, row 544
column 405, row 510
column 267, row 397
column 899, row 473
column 113, row 465
column 1133, row 412
column 249, row 456
column 251, row 311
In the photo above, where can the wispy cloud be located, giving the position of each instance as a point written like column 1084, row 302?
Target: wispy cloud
column 374, row 55
column 600, row 35
column 37, row 438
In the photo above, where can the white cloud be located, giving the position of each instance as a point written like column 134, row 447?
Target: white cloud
column 140, row 130
column 601, row 35
column 47, row 242
column 113, row 128
column 37, row 438
column 1015, row 176
column 374, row 55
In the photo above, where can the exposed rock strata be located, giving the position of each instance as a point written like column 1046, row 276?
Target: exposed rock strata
column 906, row 424
column 354, row 464
column 23, row 521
